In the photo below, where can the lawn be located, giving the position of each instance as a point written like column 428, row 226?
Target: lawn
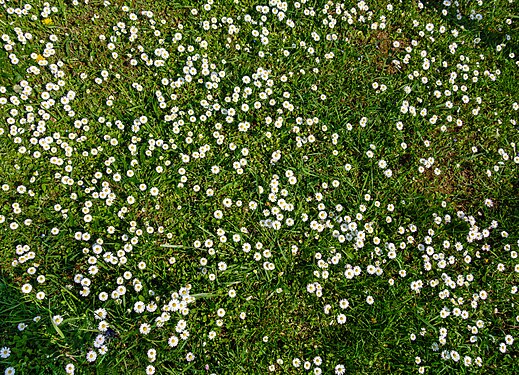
column 259, row 186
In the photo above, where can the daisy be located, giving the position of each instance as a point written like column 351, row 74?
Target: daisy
column 99, row 341
column 5, row 352
column 103, row 326
column 91, row 356
column 100, row 314
column 26, row 288
column 69, row 368
column 57, row 319
column 145, row 328
column 139, row 307
column 173, row 341
column 455, row 356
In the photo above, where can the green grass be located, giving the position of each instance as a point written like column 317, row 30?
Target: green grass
column 398, row 122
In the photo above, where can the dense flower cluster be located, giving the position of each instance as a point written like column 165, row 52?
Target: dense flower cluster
column 283, row 173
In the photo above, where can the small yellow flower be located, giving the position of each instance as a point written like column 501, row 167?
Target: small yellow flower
column 39, row 58
column 47, row 21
